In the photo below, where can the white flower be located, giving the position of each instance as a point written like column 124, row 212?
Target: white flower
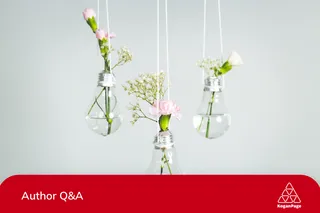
column 235, row 59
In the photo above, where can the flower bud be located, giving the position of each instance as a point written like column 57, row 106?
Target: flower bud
column 100, row 34
column 235, row 59
column 89, row 15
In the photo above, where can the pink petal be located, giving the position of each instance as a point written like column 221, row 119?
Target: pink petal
column 153, row 111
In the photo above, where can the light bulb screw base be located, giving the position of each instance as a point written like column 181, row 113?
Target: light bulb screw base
column 106, row 80
column 213, row 84
column 163, row 140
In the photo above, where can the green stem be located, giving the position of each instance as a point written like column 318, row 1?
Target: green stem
column 209, row 115
column 117, row 64
column 148, row 118
column 145, row 116
column 107, row 105
column 200, row 124
column 101, row 109
column 95, row 101
column 203, row 117
column 106, row 65
column 167, row 162
column 107, row 91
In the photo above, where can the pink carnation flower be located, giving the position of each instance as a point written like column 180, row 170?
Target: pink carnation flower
column 88, row 13
column 100, row 34
column 112, row 35
column 166, row 107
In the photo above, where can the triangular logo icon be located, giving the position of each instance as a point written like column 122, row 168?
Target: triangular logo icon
column 289, row 195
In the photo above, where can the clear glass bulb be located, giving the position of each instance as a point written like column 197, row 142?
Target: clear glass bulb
column 212, row 119
column 164, row 157
column 103, row 115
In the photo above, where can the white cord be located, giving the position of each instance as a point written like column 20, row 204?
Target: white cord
column 220, row 30
column 158, row 62
column 108, row 31
column 98, row 21
column 167, row 48
column 221, row 40
column 204, row 35
column 98, row 12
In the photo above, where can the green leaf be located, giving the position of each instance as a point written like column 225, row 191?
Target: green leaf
column 93, row 24
column 226, row 67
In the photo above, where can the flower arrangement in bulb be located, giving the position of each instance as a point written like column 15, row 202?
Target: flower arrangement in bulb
column 149, row 88
column 124, row 56
column 214, row 68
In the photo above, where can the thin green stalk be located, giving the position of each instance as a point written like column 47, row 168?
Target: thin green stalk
column 107, row 90
column 101, row 109
column 106, row 65
column 148, row 118
column 167, row 162
column 200, row 124
column 96, row 100
column 209, row 115
column 203, row 118
column 107, row 105
column 117, row 64
column 145, row 116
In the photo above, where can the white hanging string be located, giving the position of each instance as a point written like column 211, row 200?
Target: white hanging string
column 98, row 12
column 108, row 31
column 98, row 22
column 221, row 39
column 204, row 35
column 158, row 53
column 158, row 62
column 220, row 30
column 167, row 48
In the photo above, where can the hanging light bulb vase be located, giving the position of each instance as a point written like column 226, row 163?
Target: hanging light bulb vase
column 164, row 154
column 148, row 88
column 164, row 158
column 103, row 116
column 212, row 119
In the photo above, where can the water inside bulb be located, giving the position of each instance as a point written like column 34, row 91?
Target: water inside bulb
column 212, row 119
column 103, row 116
column 211, row 126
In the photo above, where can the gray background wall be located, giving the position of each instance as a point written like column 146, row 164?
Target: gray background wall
column 49, row 66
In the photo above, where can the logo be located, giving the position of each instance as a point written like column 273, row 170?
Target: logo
column 289, row 198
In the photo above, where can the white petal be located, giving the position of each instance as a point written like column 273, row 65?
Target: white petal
column 235, row 59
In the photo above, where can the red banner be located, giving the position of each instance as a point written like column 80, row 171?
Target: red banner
column 175, row 193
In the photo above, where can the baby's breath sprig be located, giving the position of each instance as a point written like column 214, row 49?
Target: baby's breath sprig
column 137, row 113
column 211, row 66
column 145, row 88
column 124, row 56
